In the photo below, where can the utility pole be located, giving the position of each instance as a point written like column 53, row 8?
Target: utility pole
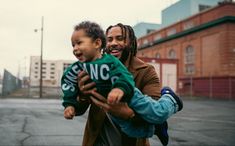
column 41, row 58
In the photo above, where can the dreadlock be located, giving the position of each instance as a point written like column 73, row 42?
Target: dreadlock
column 127, row 31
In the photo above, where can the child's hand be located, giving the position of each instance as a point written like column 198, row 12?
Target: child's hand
column 115, row 95
column 69, row 112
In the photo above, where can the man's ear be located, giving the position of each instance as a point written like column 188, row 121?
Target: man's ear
column 98, row 43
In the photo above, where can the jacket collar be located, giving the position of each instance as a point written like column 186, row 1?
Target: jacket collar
column 133, row 64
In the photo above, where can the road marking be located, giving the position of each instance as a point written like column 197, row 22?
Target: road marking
column 201, row 119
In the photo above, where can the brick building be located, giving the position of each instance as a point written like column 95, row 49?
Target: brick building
column 204, row 45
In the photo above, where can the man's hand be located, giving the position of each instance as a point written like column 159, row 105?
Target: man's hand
column 85, row 87
column 115, row 95
column 120, row 110
column 69, row 112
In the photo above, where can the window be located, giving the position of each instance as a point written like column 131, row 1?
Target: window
column 145, row 42
column 65, row 65
column 149, row 30
column 52, row 77
column 36, row 63
column 203, row 7
column 172, row 54
column 189, row 60
column 171, row 31
column 158, row 55
column 188, row 25
column 157, row 37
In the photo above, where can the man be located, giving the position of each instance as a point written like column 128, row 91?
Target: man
column 121, row 43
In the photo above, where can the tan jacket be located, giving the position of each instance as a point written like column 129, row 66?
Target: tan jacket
column 146, row 80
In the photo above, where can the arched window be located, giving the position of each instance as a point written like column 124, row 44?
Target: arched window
column 189, row 60
column 172, row 54
column 158, row 55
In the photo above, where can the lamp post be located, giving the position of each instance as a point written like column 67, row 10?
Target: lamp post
column 41, row 58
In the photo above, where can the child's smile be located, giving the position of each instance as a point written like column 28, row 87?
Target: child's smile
column 78, row 55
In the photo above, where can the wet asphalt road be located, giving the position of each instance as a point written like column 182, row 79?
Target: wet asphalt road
column 35, row 122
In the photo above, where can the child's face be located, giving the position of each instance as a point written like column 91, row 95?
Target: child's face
column 85, row 48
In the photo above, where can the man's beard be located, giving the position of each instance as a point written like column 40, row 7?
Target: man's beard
column 124, row 56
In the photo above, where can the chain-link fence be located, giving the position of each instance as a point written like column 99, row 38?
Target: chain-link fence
column 220, row 87
column 10, row 83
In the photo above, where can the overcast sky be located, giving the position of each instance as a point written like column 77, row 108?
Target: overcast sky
column 19, row 18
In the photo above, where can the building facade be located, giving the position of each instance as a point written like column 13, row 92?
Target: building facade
column 52, row 71
column 174, row 13
column 204, row 44
column 143, row 28
column 185, row 8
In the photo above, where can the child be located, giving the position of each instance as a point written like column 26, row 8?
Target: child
column 114, row 82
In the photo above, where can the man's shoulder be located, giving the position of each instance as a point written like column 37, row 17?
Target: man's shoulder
column 137, row 63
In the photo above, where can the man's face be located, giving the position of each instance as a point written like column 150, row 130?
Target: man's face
column 116, row 44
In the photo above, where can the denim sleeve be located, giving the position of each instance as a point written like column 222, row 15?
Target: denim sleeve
column 153, row 111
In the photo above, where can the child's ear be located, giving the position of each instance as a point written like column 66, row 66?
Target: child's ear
column 98, row 43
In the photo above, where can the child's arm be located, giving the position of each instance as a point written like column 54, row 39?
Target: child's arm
column 122, row 79
column 69, row 112
column 69, row 86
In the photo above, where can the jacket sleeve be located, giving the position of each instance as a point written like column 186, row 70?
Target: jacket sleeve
column 148, row 82
column 151, row 84
column 123, row 80
column 69, row 87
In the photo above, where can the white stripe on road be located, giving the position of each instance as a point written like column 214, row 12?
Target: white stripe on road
column 196, row 119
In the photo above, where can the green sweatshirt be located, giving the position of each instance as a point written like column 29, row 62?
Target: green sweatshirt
column 107, row 72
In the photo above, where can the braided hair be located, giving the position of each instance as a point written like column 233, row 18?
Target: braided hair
column 128, row 33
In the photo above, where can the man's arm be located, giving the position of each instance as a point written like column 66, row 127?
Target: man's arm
column 147, row 82
column 151, row 83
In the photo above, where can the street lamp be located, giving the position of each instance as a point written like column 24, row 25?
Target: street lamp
column 41, row 60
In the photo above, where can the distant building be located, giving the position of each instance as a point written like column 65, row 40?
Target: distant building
column 185, row 8
column 174, row 13
column 204, row 44
column 144, row 28
column 52, row 71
